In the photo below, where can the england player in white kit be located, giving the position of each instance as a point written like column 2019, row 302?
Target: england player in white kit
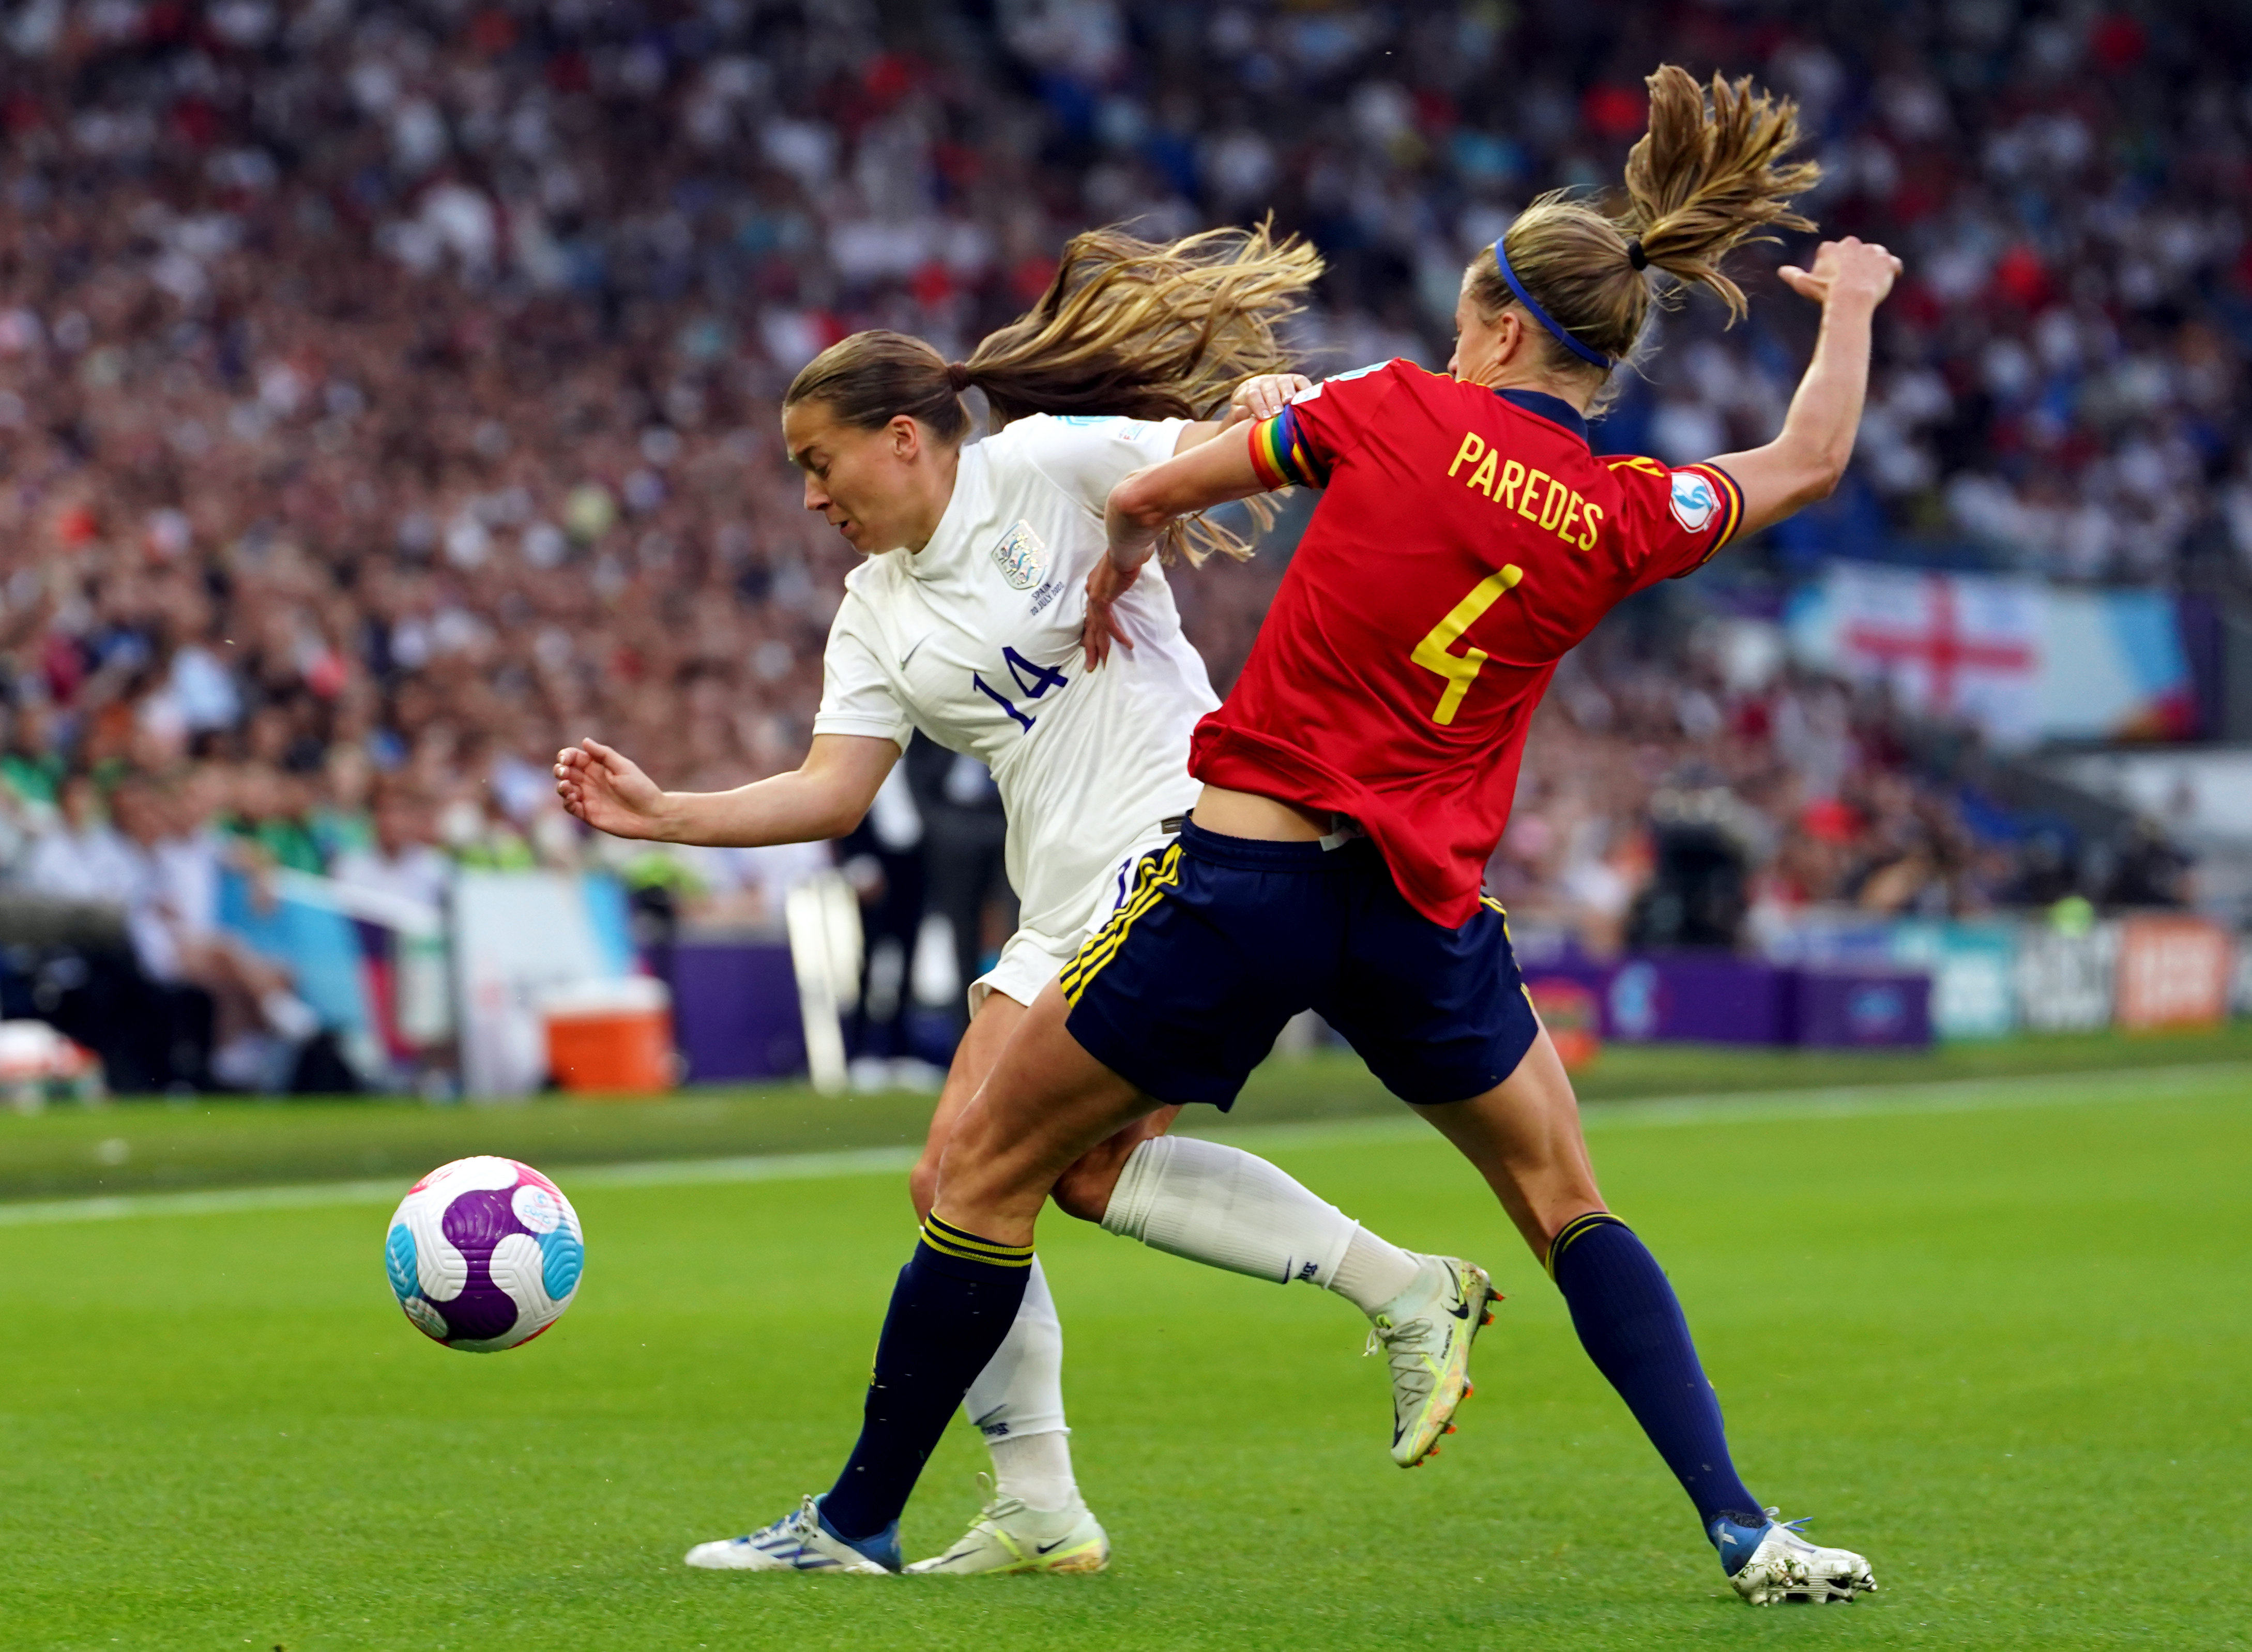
column 974, row 639
column 965, row 623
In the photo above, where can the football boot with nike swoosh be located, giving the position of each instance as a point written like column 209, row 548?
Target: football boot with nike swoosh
column 1425, row 1334
column 1011, row 1536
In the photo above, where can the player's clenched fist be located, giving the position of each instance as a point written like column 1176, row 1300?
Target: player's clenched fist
column 608, row 790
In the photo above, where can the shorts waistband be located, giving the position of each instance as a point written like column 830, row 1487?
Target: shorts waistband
column 1266, row 854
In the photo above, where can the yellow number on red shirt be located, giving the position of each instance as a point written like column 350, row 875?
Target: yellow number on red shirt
column 1433, row 653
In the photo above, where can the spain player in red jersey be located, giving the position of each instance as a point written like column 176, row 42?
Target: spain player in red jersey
column 1360, row 774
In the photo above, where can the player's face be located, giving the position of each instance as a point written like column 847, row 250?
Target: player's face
column 862, row 482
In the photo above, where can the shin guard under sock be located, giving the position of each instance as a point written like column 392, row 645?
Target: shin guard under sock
column 955, row 1303
column 1631, row 1325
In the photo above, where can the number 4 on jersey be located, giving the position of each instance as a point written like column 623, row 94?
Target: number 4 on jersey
column 1434, row 654
column 1033, row 681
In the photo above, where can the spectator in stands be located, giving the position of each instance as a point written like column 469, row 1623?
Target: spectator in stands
column 82, row 856
column 398, row 858
column 392, row 390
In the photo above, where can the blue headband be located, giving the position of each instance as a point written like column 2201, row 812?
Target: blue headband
column 1596, row 357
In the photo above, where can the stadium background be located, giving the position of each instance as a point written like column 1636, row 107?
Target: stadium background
column 387, row 393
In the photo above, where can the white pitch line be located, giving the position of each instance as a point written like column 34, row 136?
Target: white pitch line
column 1768, row 1107
column 1839, row 1101
column 773, row 1167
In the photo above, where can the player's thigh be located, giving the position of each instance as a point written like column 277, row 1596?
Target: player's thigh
column 996, row 1016
column 1524, row 1136
column 1046, row 1103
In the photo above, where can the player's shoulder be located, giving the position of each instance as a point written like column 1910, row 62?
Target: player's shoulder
column 1377, row 377
column 1696, row 495
column 1037, row 438
column 869, row 584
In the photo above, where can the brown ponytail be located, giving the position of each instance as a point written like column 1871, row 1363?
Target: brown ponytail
column 1128, row 328
column 1701, row 182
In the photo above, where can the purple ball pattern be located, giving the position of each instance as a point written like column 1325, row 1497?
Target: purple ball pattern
column 483, row 1254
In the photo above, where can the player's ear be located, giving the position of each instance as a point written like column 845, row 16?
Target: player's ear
column 1508, row 335
column 906, row 439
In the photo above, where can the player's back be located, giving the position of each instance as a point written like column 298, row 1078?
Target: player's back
column 1466, row 540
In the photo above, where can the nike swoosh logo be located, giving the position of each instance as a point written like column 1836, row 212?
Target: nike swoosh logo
column 910, row 654
column 1460, row 1309
column 1043, row 1548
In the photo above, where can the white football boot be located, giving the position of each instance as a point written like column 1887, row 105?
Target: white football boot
column 1426, row 1334
column 1009, row 1536
column 1782, row 1565
column 798, row 1542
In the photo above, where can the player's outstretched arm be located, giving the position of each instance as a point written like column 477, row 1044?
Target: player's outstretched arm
column 1849, row 280
column 824, row 797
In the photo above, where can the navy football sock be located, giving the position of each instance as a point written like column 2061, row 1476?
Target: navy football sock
column 954, row 1304
column 1630, row 1323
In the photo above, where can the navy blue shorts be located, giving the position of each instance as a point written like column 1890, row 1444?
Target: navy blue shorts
column 1224, row 939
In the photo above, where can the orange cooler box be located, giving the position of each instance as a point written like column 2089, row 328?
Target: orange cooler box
column 611, row 1037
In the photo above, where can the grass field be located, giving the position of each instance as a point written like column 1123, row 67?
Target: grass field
column 1993, row 1334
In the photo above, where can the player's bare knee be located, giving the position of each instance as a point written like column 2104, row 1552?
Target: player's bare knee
column 1084, row 1189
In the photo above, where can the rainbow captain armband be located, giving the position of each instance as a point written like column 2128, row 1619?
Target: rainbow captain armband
column 1280, row 455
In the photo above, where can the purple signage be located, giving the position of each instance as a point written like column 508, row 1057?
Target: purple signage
column 1719, row 998
column 735, row 1011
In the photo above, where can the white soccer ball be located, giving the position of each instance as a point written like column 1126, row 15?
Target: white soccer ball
column 484, row 1253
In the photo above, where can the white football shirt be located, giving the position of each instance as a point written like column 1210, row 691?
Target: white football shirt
column 975, row 640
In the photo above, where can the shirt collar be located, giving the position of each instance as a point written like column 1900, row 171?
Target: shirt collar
column 1554, row 409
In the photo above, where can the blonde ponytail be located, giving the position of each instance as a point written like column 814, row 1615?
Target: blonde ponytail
column 1701, row 182
column 1130, row 328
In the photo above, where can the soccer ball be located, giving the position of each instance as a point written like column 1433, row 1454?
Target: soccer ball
column 484, row 1253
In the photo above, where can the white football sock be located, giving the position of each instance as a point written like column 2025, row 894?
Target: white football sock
column 1221, row 1205
column 1036, row 1468
column 1017, row 1403
column 1373, row 1271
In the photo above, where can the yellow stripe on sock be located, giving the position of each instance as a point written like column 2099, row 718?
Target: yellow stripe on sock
column 945, row 1246
column 963, row 1236
column 1573, row 1230
column 951, row 1240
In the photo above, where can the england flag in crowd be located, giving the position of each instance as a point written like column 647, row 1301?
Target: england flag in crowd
column 1959, row 646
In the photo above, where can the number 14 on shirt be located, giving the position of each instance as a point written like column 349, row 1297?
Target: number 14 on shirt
column 1032, row 681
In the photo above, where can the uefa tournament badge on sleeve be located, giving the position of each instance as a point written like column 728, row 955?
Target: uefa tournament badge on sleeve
column 1696, row 502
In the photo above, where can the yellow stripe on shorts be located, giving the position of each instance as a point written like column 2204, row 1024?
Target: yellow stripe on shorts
column 1155, row 877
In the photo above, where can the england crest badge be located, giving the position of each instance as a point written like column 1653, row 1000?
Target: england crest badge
column 1022, row 557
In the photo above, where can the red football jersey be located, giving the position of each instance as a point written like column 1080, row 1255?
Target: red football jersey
column 1466, row 540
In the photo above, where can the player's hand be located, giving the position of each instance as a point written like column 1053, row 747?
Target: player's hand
column 1104, row 586
column 1852, row 269
column 608, row 790
column 1265, row 396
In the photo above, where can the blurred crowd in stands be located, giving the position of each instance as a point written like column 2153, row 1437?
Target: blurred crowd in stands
column 388, row 392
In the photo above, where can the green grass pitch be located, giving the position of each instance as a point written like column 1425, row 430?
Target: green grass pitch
column 2000, row 1340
